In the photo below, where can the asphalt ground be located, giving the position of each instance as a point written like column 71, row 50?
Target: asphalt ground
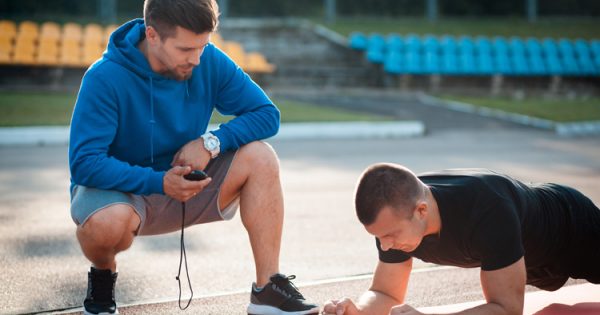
column 43, row 270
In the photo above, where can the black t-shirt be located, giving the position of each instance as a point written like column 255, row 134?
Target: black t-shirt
column 490, row 220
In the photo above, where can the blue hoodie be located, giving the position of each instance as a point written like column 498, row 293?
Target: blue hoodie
column 129, row 121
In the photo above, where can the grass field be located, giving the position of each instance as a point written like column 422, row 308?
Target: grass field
column 31, row 109
column 545, row 27
column 552, row 109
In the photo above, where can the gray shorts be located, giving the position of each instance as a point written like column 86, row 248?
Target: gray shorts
column 160, row 213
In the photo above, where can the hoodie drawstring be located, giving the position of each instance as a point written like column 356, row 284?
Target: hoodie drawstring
column 152, row 121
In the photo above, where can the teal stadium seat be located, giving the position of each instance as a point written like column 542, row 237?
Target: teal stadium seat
column 376, row 48
column 358, row 41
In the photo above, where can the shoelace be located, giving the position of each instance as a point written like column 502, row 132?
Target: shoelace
column 286, row 284
column 182, row 257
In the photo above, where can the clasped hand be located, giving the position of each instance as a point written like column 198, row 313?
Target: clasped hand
column 192, row 156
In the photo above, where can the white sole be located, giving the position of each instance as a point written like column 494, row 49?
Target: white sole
column 254, row 309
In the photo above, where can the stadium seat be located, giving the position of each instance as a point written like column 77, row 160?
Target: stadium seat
column 70, row 52
column 358, row 41
column 412, row 44
column 236, row 52
column 412, row 63
column 449, row 64
column 8, row 29
column 467, row 63
column 595, row 48
column 376, row 48
column 500, row 46
column 93, row 32
column 517, row 46
column 431, row 45
column 533, row 47
column 520, row 65
column 549, row 47
column 483, row 46
column 502, row 62
column 257, row 63
column 47, row 52
column 108, row 30
column 394, row 42
column 485, row 64
column 554, row 65
column 565, row 48
column 431, row 63
column 50, row 30
column 393, row 63
column 448, row 45
column 217, row 40
column 72, row 31
column 28, row 30
column 6, row 49
column 466, row 45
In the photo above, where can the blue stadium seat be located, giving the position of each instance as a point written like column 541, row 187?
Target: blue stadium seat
column 500, row 46
column 431, row 63
column 376, row 48
column 536, row 65
column 554, row 65
column 549, row 47
column 448, row 45
column 595, row 48
column 394, row 42
column 412, row 43
column 520, row 64
column 565, row 48
column 502, row 63
column 393, row 62
column 533, row 48
column 412, row 63
column 485, row 64
column 466, row 45
column 517, row 46
column 467, row 63
column 449, row 64
column 358, row 41
column 483, row 46
column 570, row 66
column 587, row 66
column 431, row 44
column 582, row 49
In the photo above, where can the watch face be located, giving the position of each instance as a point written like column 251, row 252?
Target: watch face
column 211, row 144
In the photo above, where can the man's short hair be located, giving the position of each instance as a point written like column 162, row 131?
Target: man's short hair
column 198, row 16
column 383, row 185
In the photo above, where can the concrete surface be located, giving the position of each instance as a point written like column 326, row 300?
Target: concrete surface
column 42, row 269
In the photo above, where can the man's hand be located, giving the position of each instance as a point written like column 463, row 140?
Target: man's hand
column 344, row 306
column 193, row 154
column 404, row 309
column 180, row 188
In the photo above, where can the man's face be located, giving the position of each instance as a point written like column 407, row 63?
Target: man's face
column 177, row 55
column 396, row 231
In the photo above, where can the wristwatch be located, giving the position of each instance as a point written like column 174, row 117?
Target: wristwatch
column 211, row 144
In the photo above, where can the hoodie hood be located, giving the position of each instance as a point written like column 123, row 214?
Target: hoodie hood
column 122, row 49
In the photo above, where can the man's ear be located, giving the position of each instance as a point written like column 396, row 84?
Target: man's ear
column 152, row 35
column 421, row 209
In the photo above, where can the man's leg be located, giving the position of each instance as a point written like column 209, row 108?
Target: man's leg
column 254, row 177
column 106, row 233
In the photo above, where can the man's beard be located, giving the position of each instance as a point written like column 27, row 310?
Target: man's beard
column 176, row 75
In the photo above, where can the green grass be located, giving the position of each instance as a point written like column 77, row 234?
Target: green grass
column 545, row 27
column 31, row 109
column 552, row 109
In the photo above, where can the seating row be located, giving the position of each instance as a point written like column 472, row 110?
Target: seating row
column 74, row 45
column 465, row 55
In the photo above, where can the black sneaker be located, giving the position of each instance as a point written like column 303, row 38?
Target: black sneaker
column 100, row 297
column 279, row 297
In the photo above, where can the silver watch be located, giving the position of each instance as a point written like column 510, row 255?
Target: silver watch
column 212, row 144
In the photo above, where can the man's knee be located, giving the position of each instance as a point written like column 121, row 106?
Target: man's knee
column 109, row 226
column 260, row 156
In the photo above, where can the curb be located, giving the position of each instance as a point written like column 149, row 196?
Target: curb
column 59, row 135
column 584, row 128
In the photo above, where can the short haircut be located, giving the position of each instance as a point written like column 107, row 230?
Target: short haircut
column 198, row 16
column 383, row 185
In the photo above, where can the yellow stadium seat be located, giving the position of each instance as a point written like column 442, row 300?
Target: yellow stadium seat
column 94, row 32
column 6, row 48
column 257, row 63
column 92, row 51
column 236, row 52
column 25, row 49
column 28, row 29
column 8, row 29
column 217, row 40
column 47, row 52
column 50, row 30
column 108, row 31
column 70, row 52
column 72, row 31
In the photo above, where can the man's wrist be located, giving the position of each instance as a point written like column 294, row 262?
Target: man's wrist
column 211, row 144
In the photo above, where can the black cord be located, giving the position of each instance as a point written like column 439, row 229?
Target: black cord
column 182, row 256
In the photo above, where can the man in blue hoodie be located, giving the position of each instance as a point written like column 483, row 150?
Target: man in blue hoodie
column 140, row 124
